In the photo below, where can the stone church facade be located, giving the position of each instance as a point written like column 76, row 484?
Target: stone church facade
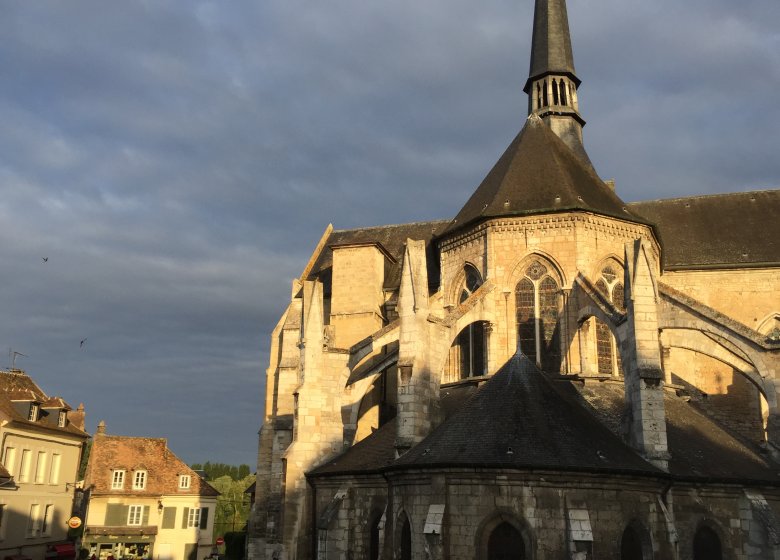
column 554, row 373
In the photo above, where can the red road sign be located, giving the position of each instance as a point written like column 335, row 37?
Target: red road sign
column 220, row 541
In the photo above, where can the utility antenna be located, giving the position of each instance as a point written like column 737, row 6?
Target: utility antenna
column 13, row 354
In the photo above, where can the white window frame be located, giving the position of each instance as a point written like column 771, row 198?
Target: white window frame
column 117, row 479
column 24, row 466
column 47, row 520
column 34, row 521
column 185, row 481
column 32, row 416
column 9, row 460
column 135, row 515
column 54, row 470
column 40, row 467
column 139, row 480
column 62, row 419
column 193, row 518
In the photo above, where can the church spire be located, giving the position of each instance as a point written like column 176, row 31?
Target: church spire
column 552, row 84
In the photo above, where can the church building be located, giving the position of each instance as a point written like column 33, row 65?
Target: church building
column 553, row 373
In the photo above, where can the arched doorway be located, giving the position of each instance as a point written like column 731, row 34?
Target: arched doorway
column 506, row 543
column 706, row 545
column 631, row 545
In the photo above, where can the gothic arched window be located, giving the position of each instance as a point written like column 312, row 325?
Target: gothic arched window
column 537, row 303
column 563, row 92
column 609, row 285
column 406, row 539
column 468, row 353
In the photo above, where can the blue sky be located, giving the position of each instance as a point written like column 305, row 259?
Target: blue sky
column 176, row 162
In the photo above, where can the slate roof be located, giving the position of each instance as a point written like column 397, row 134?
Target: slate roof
column 392, row 238
column 130, row 454
column 522, row 422
column 735, row 229
column 17, row 387
column 699, row 447
column 526, row 421
column 369, row 455
column 539, row 174
column 551, row 50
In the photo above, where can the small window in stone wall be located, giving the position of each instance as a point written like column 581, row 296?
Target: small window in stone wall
column 608, row 355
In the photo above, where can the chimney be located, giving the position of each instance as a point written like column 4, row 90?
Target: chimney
column 101, row 428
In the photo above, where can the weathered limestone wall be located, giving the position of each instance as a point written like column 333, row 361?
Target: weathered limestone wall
column 722, row 392
column 749, row 296
column 570, row 244
column 356, row 293
column 555, row 513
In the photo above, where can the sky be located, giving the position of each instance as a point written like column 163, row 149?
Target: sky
column 177, row 162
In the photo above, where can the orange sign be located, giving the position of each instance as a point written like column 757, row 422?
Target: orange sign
column 74, row 522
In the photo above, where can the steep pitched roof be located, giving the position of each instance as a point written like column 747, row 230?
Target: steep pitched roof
column 551, row 50
column 523, row 422
column 538, row 174
column 734, row 229
column 17, row 388
column 163, row 468
column 699, row 446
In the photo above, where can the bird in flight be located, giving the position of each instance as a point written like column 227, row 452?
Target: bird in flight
column 45, row 259
column 81, row 344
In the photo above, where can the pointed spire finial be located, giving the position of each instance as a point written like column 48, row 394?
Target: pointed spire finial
column 552, row 84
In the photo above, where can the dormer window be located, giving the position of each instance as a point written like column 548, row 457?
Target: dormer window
column 117, row 479
column 184, row 481
column 139, row 480
column 62, row 419
column 33, row 414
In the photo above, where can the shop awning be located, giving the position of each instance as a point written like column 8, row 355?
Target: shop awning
column 122, row 531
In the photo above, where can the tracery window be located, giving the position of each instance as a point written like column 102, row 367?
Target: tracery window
column 537, row 306
column 609, row 285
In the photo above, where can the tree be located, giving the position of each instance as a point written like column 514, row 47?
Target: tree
column 232, row 505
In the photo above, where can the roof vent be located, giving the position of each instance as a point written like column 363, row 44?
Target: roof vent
column 611, row 184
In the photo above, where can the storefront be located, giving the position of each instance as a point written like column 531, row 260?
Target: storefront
column 120, row 543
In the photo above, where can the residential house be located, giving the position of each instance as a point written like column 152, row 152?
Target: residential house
column 145, row 502
column 42, row 441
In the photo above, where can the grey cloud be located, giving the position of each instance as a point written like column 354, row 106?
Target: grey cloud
column 178, row 161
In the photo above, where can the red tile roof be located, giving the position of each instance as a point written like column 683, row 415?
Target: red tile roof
column 163, row 467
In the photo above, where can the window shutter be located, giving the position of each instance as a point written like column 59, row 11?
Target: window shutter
column 145, row 519
column 169, row 518
column 116, row 515
column 204, row 517
column 184, row 518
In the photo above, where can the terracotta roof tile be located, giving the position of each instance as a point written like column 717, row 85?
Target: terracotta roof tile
column 133, row 454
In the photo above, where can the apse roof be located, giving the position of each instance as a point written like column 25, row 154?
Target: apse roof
column 538, row 174
column 734, row 229
column 518, row 420
column 522, row 419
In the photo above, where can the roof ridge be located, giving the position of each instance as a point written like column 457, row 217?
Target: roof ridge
column 709, row 195
column 388, row 226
